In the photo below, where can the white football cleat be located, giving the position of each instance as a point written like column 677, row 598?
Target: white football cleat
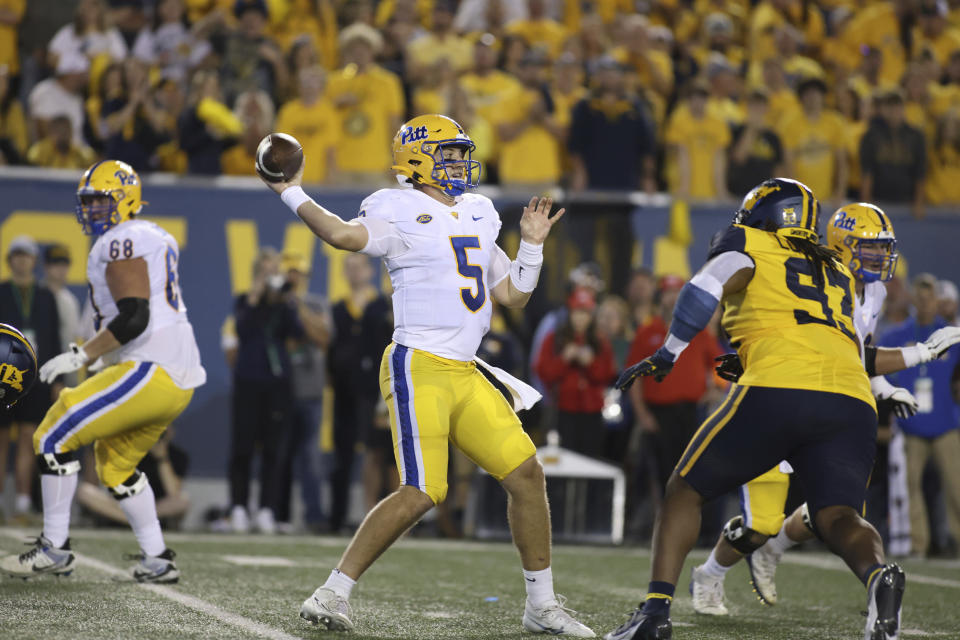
column 43, row 558
column 265, row 521
column 239, row 520
column 159, row 569
column 707, row 592
column 326, row 608
column 555, row 620
column 763, row 568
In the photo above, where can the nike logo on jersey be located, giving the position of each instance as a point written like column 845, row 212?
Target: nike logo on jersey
column 475, row 218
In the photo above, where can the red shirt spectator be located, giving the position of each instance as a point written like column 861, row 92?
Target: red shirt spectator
column 582, row 368
column 687, row 381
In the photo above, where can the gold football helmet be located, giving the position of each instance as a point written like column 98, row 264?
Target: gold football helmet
column 418, row 154
column 115, row 180
column 863, row 236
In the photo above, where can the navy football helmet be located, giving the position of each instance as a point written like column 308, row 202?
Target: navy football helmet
column 782, row 205
column 18, row 365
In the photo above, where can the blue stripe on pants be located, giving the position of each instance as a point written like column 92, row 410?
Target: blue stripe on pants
column 402, row 393
column 98, row 403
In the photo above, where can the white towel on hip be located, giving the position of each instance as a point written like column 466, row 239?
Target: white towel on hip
column 523, row 395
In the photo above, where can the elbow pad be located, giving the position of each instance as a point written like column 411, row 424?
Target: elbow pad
column 870, row 360
column 132, row 319
column 695, row 307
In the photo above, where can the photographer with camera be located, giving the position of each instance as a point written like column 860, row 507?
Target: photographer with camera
column 266, row 320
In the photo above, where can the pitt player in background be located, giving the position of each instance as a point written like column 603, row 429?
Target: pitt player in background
column 152, row 365
column 862, row 235
column 804, row 397
column 439, row 246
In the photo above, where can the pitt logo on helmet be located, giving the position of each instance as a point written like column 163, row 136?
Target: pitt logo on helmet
column 108, row 194
column 421, row 155
column 863, row 236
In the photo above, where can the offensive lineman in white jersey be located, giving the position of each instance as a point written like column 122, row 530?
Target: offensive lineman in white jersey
column 862, row 234
column 152, row 365
column 439, row 246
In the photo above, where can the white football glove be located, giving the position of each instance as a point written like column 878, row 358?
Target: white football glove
column 941, row 340
column 904, row 404
column 66, row 362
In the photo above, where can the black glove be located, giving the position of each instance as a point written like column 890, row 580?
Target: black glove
column 730, row 367
column 658, row 365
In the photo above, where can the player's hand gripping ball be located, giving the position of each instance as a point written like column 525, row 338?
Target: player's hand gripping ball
column 279, row 157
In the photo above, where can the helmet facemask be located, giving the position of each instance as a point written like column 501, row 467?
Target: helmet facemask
column 454, row 176
column 874, row 259
column 96, row 218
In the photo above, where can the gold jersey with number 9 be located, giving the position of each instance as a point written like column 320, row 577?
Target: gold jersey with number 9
column 789, row 331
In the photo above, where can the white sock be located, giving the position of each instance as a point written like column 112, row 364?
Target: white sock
column 141, row 511
column 780, row 542
column 340, row 583
column 713, row 568
column 23, row 503
column 57, row 494
column 539, row 587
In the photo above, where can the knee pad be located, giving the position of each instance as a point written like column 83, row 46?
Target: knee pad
column 742, row 538
column 130, row 487
column 58, row 464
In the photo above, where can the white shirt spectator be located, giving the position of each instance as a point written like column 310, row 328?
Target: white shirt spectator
column 472, row 14
column 67, row 43
column 49, row 98
column 173, row 48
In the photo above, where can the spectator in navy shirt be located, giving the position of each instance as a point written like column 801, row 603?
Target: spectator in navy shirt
column 933, row 431
column 265, row 322
column 611, row 136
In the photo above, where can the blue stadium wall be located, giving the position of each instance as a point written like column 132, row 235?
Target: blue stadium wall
column 220, row 222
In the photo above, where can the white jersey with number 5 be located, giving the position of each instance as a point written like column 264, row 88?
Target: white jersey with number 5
column 168, row 339
column 443, row 262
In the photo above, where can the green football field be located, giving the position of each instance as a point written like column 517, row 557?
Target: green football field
column 252, row 586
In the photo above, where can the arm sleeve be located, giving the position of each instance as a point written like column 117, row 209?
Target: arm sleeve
column 499, row 266
column 385, row 239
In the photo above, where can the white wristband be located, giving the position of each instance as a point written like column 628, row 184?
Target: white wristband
column 917, row 354
column 525, row 270
column 293, row 197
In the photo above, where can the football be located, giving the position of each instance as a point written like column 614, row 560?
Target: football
column 279, row 157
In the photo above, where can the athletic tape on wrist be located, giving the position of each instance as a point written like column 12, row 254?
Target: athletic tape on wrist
column 293, row 197
column 525, row 270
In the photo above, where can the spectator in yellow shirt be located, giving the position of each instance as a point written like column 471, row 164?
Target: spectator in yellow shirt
column 724, row 84
column 783, row 100
column 311, row 119
column 933, row 33
column 654, row 68
column 370, row 107
column 11, row 13
column 255, row 110
column 539, row 30
column 943, row 184
column 814, row 143
column 58, row 150
column 697, row 144
column 530, row 136
column 718, row 37
column 441, row 43
column 880, row 26
column 488, row 87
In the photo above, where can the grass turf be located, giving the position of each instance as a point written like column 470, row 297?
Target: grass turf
column 432, row 590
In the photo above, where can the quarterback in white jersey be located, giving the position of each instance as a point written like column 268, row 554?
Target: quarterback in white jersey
column 439, row 246
column 862, row 235
column 151, row 366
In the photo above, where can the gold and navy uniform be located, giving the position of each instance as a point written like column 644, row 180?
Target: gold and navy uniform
column 788, row 332
column 804, row 396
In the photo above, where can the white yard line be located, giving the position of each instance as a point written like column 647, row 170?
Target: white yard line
column 245, row 624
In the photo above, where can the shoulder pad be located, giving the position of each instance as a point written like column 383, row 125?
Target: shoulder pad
column 733, row 238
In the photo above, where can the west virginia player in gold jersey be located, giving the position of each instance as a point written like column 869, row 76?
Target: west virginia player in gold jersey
column 862, row 234
column 804, row 397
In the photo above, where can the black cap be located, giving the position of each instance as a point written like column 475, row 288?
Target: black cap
column 56, row 253
column 242, row 6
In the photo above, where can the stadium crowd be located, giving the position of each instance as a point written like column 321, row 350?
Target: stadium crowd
column 702, row 98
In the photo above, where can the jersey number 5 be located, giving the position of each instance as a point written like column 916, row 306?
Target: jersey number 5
column 797, row 266
column 460, row 245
